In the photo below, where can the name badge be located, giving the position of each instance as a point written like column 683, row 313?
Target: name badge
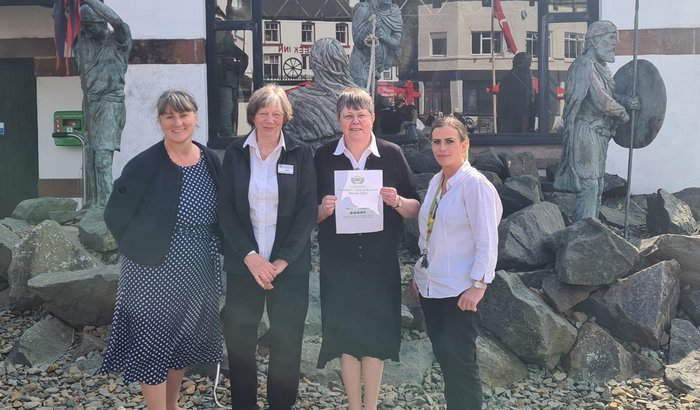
column 285, row 169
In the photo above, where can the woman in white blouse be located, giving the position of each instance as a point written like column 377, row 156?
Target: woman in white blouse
column 458, row 224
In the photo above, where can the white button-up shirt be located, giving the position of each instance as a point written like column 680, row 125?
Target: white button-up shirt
column 341, row 149
column 463, row 244
column 263, row 195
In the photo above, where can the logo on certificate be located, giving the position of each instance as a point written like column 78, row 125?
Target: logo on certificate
column 357, row 179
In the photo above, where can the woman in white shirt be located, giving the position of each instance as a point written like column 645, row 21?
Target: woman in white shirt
column 458, row 224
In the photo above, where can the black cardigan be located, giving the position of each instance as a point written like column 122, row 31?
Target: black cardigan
column 296, row 210
column 142, row 208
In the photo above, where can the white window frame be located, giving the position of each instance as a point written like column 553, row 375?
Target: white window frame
column 308, row 32
column 272, row 63
column 272, row 32
column 573, row 42
column 484, row 40
column 440, row 37
column 341, row 33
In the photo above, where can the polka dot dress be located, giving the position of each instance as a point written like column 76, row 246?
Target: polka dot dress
column 167, row 316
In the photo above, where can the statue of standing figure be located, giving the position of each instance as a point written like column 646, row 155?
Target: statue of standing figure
column 102, row 56
column 389, row 28
column 592, row 113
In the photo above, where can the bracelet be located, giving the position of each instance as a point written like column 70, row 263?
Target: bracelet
column 398, row 204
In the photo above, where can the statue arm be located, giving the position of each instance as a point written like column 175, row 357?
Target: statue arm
column 605, row 101
column 391, row 35
column 361, row 26
column 122, row 32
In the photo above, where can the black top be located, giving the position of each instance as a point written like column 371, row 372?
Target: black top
column 296, row 210
column 142, row 208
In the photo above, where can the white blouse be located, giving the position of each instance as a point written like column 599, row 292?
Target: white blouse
column 263, row 195
column 464, row 241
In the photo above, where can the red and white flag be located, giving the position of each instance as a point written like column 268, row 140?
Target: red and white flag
column 501, row 17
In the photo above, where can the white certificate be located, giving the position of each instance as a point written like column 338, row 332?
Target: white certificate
column 358, row 206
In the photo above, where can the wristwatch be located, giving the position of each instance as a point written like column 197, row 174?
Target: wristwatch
column 398, row 203
column 480, row 285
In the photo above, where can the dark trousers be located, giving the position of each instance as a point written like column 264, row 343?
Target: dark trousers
column 453, row 333
column 287, row 304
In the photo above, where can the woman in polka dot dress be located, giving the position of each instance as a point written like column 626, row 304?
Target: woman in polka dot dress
column 162, row 212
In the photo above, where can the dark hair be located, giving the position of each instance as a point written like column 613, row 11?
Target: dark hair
column 269, row 95
column 177, row 100
column 356, row 98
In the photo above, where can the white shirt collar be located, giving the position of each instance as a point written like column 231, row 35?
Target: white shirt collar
column 252, row 141
column 340, row 148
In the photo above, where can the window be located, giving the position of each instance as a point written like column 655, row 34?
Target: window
column 438, row 44
column 532, row 43
column 573, row 44
column 271, row 66
column 307, row 32
column 341, row 33
column 481, row 42
column 272, row 31
column 386, row 74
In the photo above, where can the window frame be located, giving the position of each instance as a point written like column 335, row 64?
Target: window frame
column 485, row 36
column 277, row 31
column 270, row 56
column 310, row 29
column 345, row 27
column 441, row 37
column 573, row 39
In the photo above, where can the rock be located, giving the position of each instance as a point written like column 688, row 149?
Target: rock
column 597, row 357
column 524, row 323
column 14, row 224
column 88, row 344
column 520, row 192
column 8, row 240
column 65, row 217
column 551, row 171
column 80, row 298
column 519, row 164
column 562, row 296
column 44, row 250
column 416, row 361
column 422, row 161
column 309, row 358
column 494, row 179
column 410, row 300
column 589, row 253
column 498, row 366
column 614, row 185
column 533, row 279
column 489, row 161
column 691, row 196
column 42, row 344
column 684, row 249
column 616, row 217
column 522, row 236
column 423, row 180
column 668, row 214
column 618, row 308
column 406, row 317
column 93, row 232
column 684, row 376
column 685, row 338
column 36, row 210
column 690, row 302
column 566, row 202
column 312, row 323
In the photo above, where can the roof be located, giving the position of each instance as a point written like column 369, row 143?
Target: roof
column 306, row 10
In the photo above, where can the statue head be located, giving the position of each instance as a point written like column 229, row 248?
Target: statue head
column 602, row 37
column 92, row 24
column 522, row 61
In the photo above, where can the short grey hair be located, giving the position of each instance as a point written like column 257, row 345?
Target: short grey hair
column 355, row 98
column 269, row 95
column 177, row 100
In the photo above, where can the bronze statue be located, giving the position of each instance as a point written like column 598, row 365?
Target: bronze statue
column 387, row 51
column 592, row 113
column 102, row 56
column 516, row 97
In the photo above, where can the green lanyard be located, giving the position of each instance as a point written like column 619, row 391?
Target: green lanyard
column 431, row 221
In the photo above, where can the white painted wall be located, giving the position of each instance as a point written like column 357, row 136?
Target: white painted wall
column 161, row 19
column 671, row 160
column 26, row 22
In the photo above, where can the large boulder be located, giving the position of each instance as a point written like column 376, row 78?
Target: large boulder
column 494, row 179
column 589, row 253
column 562, row 296
column 312, row 323
column 93, row 232
column 685, row 338
column 309, row 358
column 690, row 302
column 668, row 214
column 519, row 164
column 422, row 180
column 614, row 185
column 566, row 202
column 520, row 192
column 79, row 298
column 36, row 210
column 524, row 323
column 691, row 196
column 8, row 240
column 636, row 219
column 489, row 161
column 422, row 161
column 498, row 366
column 416, row 361
column 42, row 344
column 522, row 236
column 598, row 357
column 15, row 225
column 619, row 308
column 44, row 250
column 684, row 249
column 684, row 376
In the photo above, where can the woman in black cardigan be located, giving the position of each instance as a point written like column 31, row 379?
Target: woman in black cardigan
column 162, row 213
column 267, row 211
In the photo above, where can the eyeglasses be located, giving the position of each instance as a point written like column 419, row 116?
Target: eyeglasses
column 273, row 115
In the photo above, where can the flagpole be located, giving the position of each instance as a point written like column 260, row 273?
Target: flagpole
column 493, row 73
column 633, row 117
